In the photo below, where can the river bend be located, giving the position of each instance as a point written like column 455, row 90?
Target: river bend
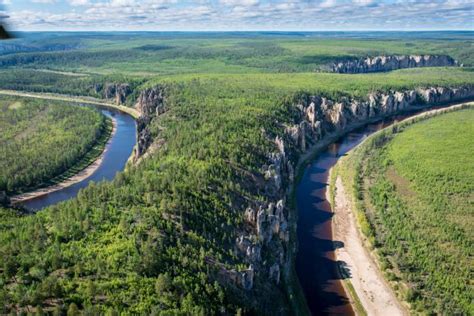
column 316, row 266
column 118, row 150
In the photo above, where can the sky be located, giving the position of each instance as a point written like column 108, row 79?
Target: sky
column 237, row 15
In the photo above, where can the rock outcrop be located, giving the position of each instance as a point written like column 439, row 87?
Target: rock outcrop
column 274, row 273
column 321, row 116
column 265, row 242
column 150, row 104
column 117, row 92
column 388, row 63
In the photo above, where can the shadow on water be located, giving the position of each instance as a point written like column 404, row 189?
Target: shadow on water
column 318, row 270
column 315, row 264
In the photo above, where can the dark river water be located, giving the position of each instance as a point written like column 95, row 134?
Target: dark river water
column 316, row 265
column 119, row 149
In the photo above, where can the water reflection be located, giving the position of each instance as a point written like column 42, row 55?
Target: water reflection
column 318, row 271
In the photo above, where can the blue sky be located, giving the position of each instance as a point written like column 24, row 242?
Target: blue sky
column 207, row 15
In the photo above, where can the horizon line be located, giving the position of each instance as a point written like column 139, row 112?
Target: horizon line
column 244, row 31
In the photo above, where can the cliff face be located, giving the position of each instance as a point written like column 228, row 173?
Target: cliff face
column 151, row 104
column 388, row 63
column 117, row 92
column 265, row 244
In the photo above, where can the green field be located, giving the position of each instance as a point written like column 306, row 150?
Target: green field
column 416, row 189
column 160, row 237
column 41, row 141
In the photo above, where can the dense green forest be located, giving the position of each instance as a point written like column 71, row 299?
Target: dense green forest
column 415, row 185
column 161, row 237
column 41, row 140
column 150, row 54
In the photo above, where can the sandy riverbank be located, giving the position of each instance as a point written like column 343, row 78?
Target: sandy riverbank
column 373, row 291
column 78, row 177
column 371, row 287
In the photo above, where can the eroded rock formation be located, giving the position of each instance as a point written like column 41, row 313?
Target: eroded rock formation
column 151, row 104
column 117, row 92
column 265, row 243
column 388, row 63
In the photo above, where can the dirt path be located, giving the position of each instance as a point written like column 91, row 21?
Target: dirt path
column 373, row 291
column 78, row 177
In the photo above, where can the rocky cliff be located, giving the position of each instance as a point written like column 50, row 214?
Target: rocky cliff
column 117, row 92
column 151, row 104
column 265, row 242
column 388, row 63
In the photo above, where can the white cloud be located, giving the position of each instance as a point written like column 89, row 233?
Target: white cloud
column 328, row 4
column 243, row 3
column 43, row 1
column 79, row 2
column 363, row 2
column 244, row 15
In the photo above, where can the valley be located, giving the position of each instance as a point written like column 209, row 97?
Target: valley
column 216, row 211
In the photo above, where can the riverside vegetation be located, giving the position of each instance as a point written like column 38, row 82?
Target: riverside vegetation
column 161, row 238
column 413, row 190
column 41, row 141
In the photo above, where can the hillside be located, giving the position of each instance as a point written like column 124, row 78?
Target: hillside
column 202, row 225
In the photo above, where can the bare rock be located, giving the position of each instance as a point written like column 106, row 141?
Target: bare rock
column 151, row 102
column 261, row 218
column 311, row 113
column 117, row 91
column 303, row 128
column 250, row 215
column 281, row 145
column 291, row 172
column 273, row 171
column 275, row 273
column 246, row 278
column 393, row 62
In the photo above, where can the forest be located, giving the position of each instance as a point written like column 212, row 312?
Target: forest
column 42, row 140
column 417, row 209
column 145, row 55
column 161, row 237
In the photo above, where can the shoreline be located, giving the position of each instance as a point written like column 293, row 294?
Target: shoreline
column 78, row 177
column 61, row 97
column 294, row 290
column 370, row 288
column 373, row 292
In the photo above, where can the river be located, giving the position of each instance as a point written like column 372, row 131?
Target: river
column 119, row 149
column 316, row 265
